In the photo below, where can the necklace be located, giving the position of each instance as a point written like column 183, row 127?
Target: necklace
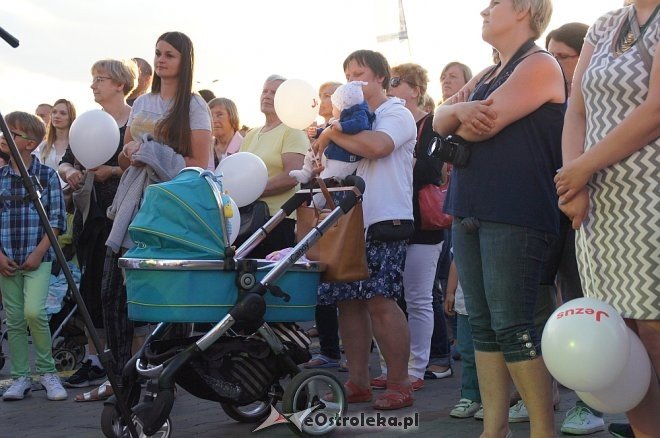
column 627, row 37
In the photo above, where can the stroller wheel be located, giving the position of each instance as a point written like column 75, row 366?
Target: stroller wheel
column 71, row 345
column 320, row 391
column 112, row 424
column 254, row 412
column 65, row 360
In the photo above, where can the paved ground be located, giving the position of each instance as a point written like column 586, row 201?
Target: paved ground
column 36, row 417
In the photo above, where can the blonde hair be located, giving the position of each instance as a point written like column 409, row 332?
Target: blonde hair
column 329, row 84
column 230, row 106
column 124, row 72
column 540, row 12
column 414, row 74
column 51, row 132
column 428, row 104
column 32, row 125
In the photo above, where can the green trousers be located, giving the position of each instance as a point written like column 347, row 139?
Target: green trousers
column 24, row 296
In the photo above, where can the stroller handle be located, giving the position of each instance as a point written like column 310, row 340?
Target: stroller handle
column 352, row 197
column 355, row 181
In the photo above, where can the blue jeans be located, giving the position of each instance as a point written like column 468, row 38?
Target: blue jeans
column 500, row 267
column 469, row 380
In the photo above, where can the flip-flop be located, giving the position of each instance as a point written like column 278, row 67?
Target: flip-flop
column 101, row 393
column 321, row 361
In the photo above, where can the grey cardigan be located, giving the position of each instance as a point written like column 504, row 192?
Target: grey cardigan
column 162, row 163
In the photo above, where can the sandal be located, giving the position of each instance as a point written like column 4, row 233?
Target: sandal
column 379, row 382
column 355, row 394
column 396, row 397
column 101, row 393
column 321, row 361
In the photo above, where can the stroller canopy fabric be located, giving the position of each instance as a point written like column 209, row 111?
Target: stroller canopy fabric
column 179, row 219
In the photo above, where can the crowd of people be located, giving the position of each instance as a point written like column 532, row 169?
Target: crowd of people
column 551, row 190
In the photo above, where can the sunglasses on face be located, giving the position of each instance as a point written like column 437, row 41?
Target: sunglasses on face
column 396, row 81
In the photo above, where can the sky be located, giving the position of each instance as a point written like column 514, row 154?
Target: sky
column 238, row 43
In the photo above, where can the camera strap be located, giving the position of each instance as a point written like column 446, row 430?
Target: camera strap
column 479, row 94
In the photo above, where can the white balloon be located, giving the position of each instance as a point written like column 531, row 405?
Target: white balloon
column 296, row 103
column 235, row 222
column 585, row 344
column 94, row 138
column 629, row 388
column 244, row 177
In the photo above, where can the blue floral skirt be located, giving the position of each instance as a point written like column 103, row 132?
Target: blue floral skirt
column 385, row 261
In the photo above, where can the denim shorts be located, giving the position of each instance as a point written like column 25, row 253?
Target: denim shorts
column 500, row 268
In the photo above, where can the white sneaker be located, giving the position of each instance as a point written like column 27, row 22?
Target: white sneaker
column 18, row 389
column 53, row 385
column 479, row 415
column 518, row 413
column 581, row 421
column 465, row 408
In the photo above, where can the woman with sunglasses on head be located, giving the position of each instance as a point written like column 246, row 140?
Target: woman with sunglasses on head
column 504, row 206
column 608, row 185
column 409, row 83
column 112, row 81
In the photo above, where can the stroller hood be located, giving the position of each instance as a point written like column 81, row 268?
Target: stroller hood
column 179, row 219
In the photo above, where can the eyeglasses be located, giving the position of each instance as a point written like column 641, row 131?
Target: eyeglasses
column 563, row 56
column 16, row 134
column 396, row 81
column 97, row 79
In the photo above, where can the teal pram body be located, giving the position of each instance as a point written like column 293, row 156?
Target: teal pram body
column 177, row 273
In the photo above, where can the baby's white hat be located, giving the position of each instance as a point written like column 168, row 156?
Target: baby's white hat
column 347, row 95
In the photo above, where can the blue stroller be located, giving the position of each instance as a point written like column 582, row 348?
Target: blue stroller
column 183, row 270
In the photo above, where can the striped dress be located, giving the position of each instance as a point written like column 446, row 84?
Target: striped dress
column 618, row 246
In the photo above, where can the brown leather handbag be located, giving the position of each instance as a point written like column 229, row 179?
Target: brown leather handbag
column 342, row 247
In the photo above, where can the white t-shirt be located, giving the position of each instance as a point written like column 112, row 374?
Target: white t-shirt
column 149, row 108
column 388, row 192
column 52, row 159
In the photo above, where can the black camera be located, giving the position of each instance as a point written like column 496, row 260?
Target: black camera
column 451, row 149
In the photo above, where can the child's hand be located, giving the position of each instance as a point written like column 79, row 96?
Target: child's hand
column 336, row 125
column 33, row 261
column 8, row 267
column 312, row 132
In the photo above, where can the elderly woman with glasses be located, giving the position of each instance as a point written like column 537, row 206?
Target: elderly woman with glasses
column 112, row 81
